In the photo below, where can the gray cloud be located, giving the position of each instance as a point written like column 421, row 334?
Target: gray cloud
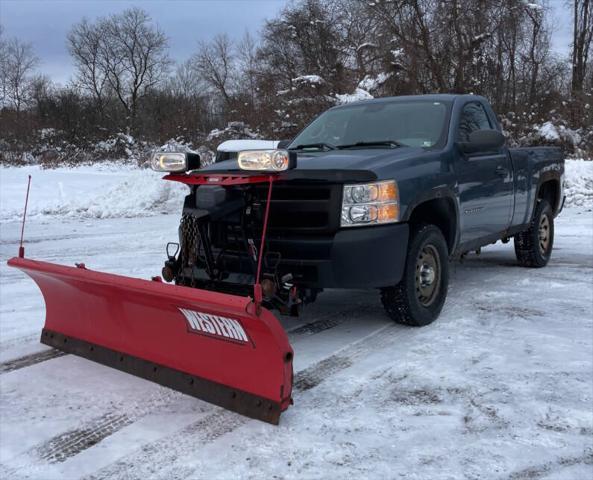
column 46, row 23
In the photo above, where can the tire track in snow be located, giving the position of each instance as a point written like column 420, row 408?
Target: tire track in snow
column 556, row 466
column 29, row 360
column 312, row 376
column 71, row 443
column 17, row 341
column 54, row 238
column 330, row 321
column 147, row 462
column 66, row 445
column 326, row 321
column 155, row 458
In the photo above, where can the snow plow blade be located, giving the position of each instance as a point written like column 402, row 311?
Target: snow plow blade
column 214, row 346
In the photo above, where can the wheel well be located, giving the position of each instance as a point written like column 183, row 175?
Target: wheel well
column 440, row 212
column 550, row 191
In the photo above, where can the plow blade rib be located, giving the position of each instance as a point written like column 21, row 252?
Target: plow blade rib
column 210, row 345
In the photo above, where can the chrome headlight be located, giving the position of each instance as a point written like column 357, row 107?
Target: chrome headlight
column 174, row 161
column 266, row 160
column 370, row 204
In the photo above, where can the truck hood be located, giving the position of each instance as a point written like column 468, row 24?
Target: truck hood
column 356, row 161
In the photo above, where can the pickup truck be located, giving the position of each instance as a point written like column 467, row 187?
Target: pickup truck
column 380, row 194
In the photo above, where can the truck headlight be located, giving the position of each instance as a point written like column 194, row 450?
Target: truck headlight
column 266, row 160
column 174, row 161
column 370, row 204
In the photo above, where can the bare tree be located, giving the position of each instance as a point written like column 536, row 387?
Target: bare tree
column 85, row 47
column 19, row 64
column 248, row 65
column 537, row 49
column 582, row 42
column 215, row 64
column 186, row 82
column 134, row 56
column 3, row 66
column 357, row 28
column 123, row 54
column 41, row 89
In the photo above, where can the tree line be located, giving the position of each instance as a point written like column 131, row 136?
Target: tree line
column 315, row 54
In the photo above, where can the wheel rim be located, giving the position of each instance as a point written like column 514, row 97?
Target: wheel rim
column 428, row 275
column 544, row 234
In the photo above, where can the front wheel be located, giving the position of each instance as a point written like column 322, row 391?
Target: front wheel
column 420, row 295
column 533, row 247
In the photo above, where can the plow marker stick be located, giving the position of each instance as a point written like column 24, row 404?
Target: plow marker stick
column 21, row 248
column 257, row 293
column 214, row 346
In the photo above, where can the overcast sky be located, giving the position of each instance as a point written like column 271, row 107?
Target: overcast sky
column 45, row 23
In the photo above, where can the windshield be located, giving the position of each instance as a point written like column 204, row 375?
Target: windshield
column 386, row 124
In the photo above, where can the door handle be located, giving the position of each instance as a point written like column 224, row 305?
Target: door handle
column 501, row 171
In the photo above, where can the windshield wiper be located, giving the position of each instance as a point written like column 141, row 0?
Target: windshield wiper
column 379, row 143
column 314, row 145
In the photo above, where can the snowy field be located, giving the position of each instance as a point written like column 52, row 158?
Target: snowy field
column 500, row 386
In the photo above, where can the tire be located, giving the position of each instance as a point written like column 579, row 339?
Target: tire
column 533, row 246
column 427, row 264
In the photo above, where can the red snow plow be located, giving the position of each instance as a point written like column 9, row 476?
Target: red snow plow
column 205, row 336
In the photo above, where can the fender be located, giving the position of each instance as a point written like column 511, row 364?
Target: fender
column 546, row 176
column 437, row 193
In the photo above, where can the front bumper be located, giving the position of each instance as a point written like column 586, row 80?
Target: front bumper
column 359, row 257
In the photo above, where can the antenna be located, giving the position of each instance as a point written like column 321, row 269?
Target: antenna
column 21, row 248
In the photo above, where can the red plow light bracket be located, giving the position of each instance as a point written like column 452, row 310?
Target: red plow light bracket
column 226, row 349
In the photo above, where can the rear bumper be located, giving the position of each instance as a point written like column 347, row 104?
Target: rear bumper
column 366, row 257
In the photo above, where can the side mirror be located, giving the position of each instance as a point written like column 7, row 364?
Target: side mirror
column 482, row 141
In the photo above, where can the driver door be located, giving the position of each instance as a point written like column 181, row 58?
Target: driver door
column 485, row 181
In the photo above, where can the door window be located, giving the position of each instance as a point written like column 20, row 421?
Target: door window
column 473, row 117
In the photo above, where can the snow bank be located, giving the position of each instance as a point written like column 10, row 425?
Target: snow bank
column 98, row 191
column 370, row 83
column 176, row 145
column 312, row 79
column 548, row 131
column 233, row 130
column 109, row 190
column 553, row 133
column 578, row 184
column 358, row 95
column 533, row 5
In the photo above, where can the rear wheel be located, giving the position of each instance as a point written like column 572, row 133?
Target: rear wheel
column 419, row 297
column 533, row 246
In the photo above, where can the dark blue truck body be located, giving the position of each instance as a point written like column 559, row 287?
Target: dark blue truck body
column 474, row 198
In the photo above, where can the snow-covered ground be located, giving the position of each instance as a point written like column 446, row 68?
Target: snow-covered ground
column 501, row 386
column 105, row 190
